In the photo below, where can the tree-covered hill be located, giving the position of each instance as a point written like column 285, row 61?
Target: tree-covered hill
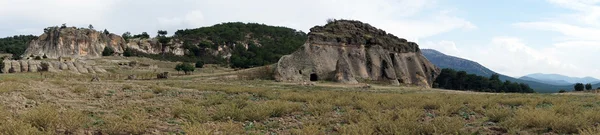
column 15, row 45
column 250, row 44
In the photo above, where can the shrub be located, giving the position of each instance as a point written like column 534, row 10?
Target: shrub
column 199, row 64
column 562, row 91
column 185, row 67
column 108, row 51
column 498, row 114
column 127, row 121
column 38, row 58
column 191, row 113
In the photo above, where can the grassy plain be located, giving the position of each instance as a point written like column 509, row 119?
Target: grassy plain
column 217, row 100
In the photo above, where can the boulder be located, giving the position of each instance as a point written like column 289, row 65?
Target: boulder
column 15, row 67
column 24, row 66
column 7, row 65
column 346, row 51
column 80, row 67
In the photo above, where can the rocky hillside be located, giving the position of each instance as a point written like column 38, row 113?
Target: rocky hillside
column 242, row 45
column 347, row 51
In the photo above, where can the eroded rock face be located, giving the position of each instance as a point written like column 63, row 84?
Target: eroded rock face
column 73, row 42
column 152, row 46
column 20, row 66
column 347, row 51
column 76, row 43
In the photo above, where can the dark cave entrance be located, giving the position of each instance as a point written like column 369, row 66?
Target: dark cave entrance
column 314, row 77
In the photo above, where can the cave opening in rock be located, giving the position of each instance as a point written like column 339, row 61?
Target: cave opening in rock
column 314, row 77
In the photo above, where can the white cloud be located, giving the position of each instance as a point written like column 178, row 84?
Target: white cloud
column 412, row 19
column 446, row 47
column 571, row 52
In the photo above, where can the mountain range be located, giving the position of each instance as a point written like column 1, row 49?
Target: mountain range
column 541, row 83
column 559, row 79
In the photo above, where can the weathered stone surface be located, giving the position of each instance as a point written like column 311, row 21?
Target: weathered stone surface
column 345, row 51
column 24, row 66
column 80, row 67
column 76, row 43
column 71, row 67
column 7, row 66
column 15, row 67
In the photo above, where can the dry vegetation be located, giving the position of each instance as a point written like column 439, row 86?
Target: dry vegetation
column 216, row 101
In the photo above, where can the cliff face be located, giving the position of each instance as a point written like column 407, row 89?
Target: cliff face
column 88, row 43
column 348, row 51
column 73, row 42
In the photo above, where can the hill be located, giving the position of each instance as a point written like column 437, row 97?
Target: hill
column 552, row 82
column 562, row 78
column 445, row 61
column 15, row 45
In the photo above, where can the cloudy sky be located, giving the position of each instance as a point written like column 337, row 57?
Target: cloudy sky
column 512, row 37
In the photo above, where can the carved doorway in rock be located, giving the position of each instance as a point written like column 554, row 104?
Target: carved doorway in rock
column 314, row 77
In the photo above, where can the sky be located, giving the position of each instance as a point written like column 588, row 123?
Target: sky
column 511, row 37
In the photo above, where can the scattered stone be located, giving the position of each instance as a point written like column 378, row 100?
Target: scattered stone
column 131, row 77
column 164, row 75
column 95, row 79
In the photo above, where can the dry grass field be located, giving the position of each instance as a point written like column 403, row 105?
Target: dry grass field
column 223, row 101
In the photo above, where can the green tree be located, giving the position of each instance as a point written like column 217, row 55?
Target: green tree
column 199, row 64
column 187, row 68
column 106, row 32
column 144, row 35
column 108, row 51
column 162, row 33
column 588, row 86
column 126, row 36
column 579, row 87
column 90, row 27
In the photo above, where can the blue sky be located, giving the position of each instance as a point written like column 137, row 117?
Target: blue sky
column 512, row 37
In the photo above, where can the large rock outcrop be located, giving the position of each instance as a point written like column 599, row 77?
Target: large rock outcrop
column 349, row 51
column 75, row 42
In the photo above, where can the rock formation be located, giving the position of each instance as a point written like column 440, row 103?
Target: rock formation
column 347, row 51
column 74, row 42
column 19, row 66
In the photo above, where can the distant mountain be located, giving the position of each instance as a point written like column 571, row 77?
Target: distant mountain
column 551, row 82
column 561, row 78
column 446, row 61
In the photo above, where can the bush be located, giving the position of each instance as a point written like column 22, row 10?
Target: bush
column 199, row 64
column 108, row 51
column 562, row 91
column 38, row 58
column 185, row 67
